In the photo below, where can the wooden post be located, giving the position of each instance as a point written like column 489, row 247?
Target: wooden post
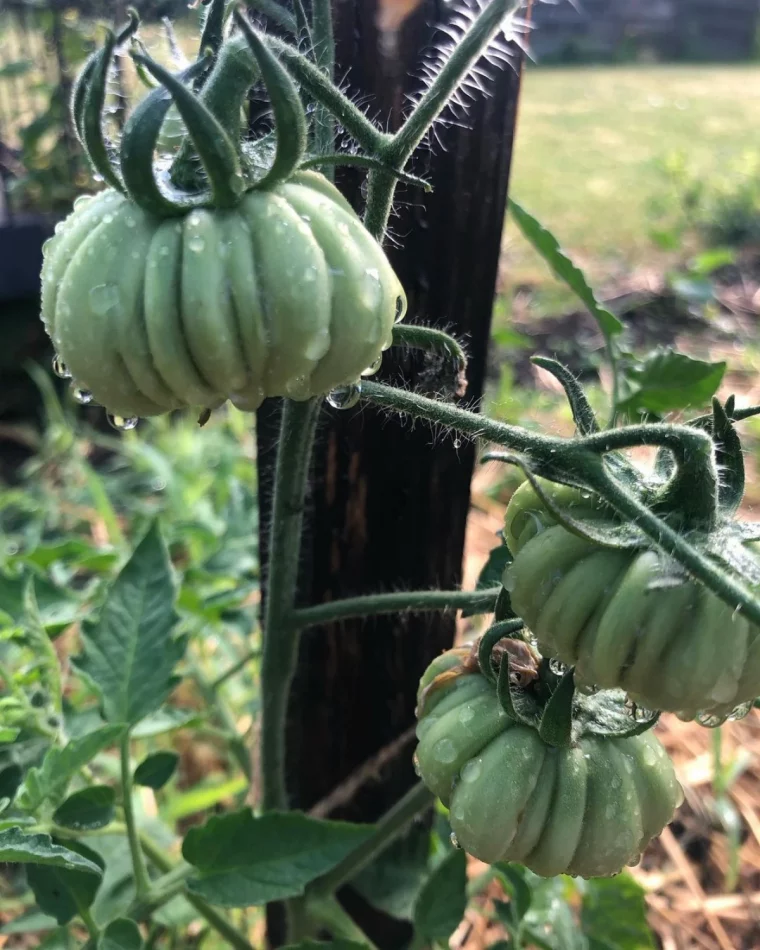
column 388, row 508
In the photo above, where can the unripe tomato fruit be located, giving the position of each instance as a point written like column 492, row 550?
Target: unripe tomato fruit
column 287, row 294
column 619, row 619
column 587, row 809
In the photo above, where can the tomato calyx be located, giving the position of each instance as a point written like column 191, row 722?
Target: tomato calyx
column 541, row 694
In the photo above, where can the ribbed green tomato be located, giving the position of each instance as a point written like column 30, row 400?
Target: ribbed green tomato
column 588, row 809
column 607, row 613
column 285, row 295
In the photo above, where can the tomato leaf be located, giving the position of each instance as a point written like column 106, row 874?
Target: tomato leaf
column 130, row 653
column 156, row 770
column 121, row 934
column 243, row 861
column 50, row 781
column 519, row 890
column 442, row 901
column 572, row 276
column 62, row 892
column 87, row 809
column 16, row 847
column 666, row 381
column 614, row 915
column 550, row 922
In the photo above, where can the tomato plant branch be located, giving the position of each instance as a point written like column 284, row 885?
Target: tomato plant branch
column 221, row 711
column 142, row 881
column 371, row 605
column 416, row 801
column 323, row 41
column 579, row 462
column 280, row 640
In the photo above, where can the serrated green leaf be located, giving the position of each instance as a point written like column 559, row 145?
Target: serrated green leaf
column 614, row 914
column 121, row 934
column 156, row 770
column 569, row 273
column 63, row 892
column 667, row 381
column 58, row 608
column 243, row 861
column 129, row 653
column 87, row 809
column 17, row 847
column 441, row 904
column 490, row 576
column 50, row 781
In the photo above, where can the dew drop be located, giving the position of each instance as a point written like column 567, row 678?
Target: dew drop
column 82, row 396
column 457, row 443
column 122, row 423
column 164, row 250
column 196, row 244
column 508, row 580
column 557, row 667
column 467, row 713
column 416, row 764
column 131, row 222
column 472, row 771
column 107, row 218
column 444, row 751
column 81, row 201
column 373, row 367
column 60, row 369
column 457, row 812
column 455, row 841
column 710, row 720
column 400, row 307
column 58, row 228
column 46, row 246
column 104, row 299
column 345, row 397
column 740, row 712
column 98, row 178
column 317, row 345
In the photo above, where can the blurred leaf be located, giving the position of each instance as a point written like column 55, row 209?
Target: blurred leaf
column 697, row 291
column 51, row 779
column 614, row 914
column 156, row 770
column 129, row 653
column 63, row 892
column 548, row 247
column 202, row 796
column 393, row 880
column 711, row 260
column 16, row 69
column 491, row 575
column 17, row 847
column 87, row 809
column 166, row 719
column 550, row 923
column 244, row 861
column 121, row 934
column 30, row 922
column 440, row 907
column 58, row 608
column 518, row 889
column 8, row 734
column 667, row 381
column 82, row 553
column 511, row 339
column 10, row 777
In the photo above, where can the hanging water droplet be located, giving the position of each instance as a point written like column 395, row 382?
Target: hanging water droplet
column 98, row 177
column 80, row 395
column 58, row 228
column 345, row 397
column 416, row 764
column 642, row 714
column 710, row 720
column 400, row 307
column 123, row 423
column 104, row 299
column 60, row 368
column 455, row 841
column 46, row 245
column 373, row 367
column 740, row 712
column 684, row 716
column 472, row 771
column 557, row 667
column 444, row 751
column 196, row 244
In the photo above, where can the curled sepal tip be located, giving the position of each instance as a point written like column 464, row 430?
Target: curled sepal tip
column 91, row 104
column 518, row 704
column 490, row 638
column 289, row 116
column 138, row 145
column 583, row 415
column 217, row 153
column 557, row 720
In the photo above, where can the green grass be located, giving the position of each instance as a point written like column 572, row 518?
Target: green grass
column 591, row 143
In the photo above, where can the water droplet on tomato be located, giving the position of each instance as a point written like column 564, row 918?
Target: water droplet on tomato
column 82, row 396
column 104, row 299
column 710, row 720
column 557, row 667
column 373, row 367
column 444, row 751
column 508, row 579
column 123, row 423
column 46, row 246
column 740, row 712
column 467, row 713
column 196, row 244
column 400, row 307
column 81, row 201
column 472, row 771
column 416, row 764
column 455, row 841
column 345, row 397
column 60, row 369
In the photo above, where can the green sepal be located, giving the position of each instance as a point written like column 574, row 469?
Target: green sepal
column 79, row 93
column 516, row 703
column 214, row 147
column 507, row 628
column 138, row 144
column 503, row 610
column 556, row 725
column 288, row 112
column 93, row 135
column 213, row 27
column 583, row 414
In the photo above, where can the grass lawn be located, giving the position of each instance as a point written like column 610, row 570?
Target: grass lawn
column 591, row 143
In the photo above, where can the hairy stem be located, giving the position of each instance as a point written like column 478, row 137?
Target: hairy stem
column 371, row 605
column 416, row 801
column 578, row 462
column 142, row 881
column 324, row 50
column 280, row 646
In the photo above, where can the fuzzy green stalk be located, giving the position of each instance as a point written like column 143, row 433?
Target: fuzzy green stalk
column 579, row 462
column 142, row 881
column 372, row 605
column 280, row 640
column 323, row 39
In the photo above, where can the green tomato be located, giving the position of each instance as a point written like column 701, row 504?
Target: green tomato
column 587, row 809
column 607, row 613
column 285, row 295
